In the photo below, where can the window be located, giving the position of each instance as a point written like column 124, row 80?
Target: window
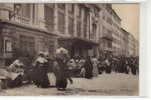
column 27, row 45
column 71, row 25
column 52, row 47
column 22, row 13
column 103, row 29
column 61, row 22
column 26, row 10
column 85, row 20
column 79, row 11
column 109, row 20
column 17, row 8
column 1, row 44
column 109, row 44
column 8, row 46
column 34, row 13
column 49, row 16
column 71, row 8
column 104, row 17
column 61, row 6
column 61, row 18
column 78, row 28
column 94, row 30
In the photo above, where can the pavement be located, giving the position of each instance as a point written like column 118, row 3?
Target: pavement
column 114, row 84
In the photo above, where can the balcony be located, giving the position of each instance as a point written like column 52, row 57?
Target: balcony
column 22, row 20
column 107, row 36
column 49, row 26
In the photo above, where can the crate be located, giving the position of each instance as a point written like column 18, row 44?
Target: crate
column 3, row 83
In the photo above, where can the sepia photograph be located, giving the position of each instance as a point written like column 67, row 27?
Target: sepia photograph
column 69, row 49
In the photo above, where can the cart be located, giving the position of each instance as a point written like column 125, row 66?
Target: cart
column 10, row 79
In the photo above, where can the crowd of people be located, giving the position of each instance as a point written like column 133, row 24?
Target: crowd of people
column 46, row 71
column 108, row 64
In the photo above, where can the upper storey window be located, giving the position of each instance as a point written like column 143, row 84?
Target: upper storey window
column 49, row 16
column 26, row 10
column 61, row 18
column 79, row 11
column 22, row 13
column 61, row 7
column 71, row 8
column 23, row 10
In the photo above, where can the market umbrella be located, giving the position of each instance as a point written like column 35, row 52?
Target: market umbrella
column 61, row 50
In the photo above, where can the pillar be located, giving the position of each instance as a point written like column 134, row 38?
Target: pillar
column 82, row 18
column 56, row 18
column 41, row 16
column 75, row 20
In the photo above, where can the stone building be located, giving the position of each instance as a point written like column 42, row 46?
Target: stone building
column 131, row 45
column 136, row 47
column 112, row 37
column 105, row 37
column 124, row 42
column 117, row 36
column 83, row 29
column 110, row 24
column 27, row 29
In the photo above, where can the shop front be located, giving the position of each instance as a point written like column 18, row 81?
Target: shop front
column 78, row 46
column 22, row 41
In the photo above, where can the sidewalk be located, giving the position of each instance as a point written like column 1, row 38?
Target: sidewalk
column 105, row 84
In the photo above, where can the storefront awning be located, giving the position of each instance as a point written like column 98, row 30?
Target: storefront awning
column 79, row 42
column 108, row 50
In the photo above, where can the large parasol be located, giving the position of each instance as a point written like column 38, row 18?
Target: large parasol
column 61, row 50
column 62, row 53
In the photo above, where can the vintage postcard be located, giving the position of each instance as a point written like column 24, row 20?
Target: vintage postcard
column 53, row 49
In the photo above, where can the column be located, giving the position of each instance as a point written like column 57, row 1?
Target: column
column 56, row 18
column 75, row 20
column 82, row 18
column 88, row 25
column 41, row 16
column 90, row 33
column 31, row 13
column 66, row 20
column 36, row 14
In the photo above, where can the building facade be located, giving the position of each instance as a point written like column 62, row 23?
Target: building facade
column 27, row 29
column 132, row 45
column 83, row 29
column 117, row 36
column 110, row 24
column 124, row 42
column 136, row 47
column 105, row 36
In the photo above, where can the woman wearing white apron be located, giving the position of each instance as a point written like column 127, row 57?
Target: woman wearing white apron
column 95, row 66
column 50, row 73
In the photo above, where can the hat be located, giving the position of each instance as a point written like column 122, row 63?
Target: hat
column 41, row 53
column 46, row 53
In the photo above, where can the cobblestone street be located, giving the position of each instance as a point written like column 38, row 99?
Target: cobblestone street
column 103, row 85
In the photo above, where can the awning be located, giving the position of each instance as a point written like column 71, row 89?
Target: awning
column 79, row 42
column 108, row 50
column 107, row 38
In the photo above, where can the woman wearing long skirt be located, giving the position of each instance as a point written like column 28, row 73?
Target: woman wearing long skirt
column 50, row 73
column 61, row 73
column 88, row 68
column 95, row 66
column 40, row 72
column 52, row 79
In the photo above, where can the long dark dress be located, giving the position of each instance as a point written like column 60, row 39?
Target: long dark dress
column 61, row 74
column 88, row 68
column 41, row 78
